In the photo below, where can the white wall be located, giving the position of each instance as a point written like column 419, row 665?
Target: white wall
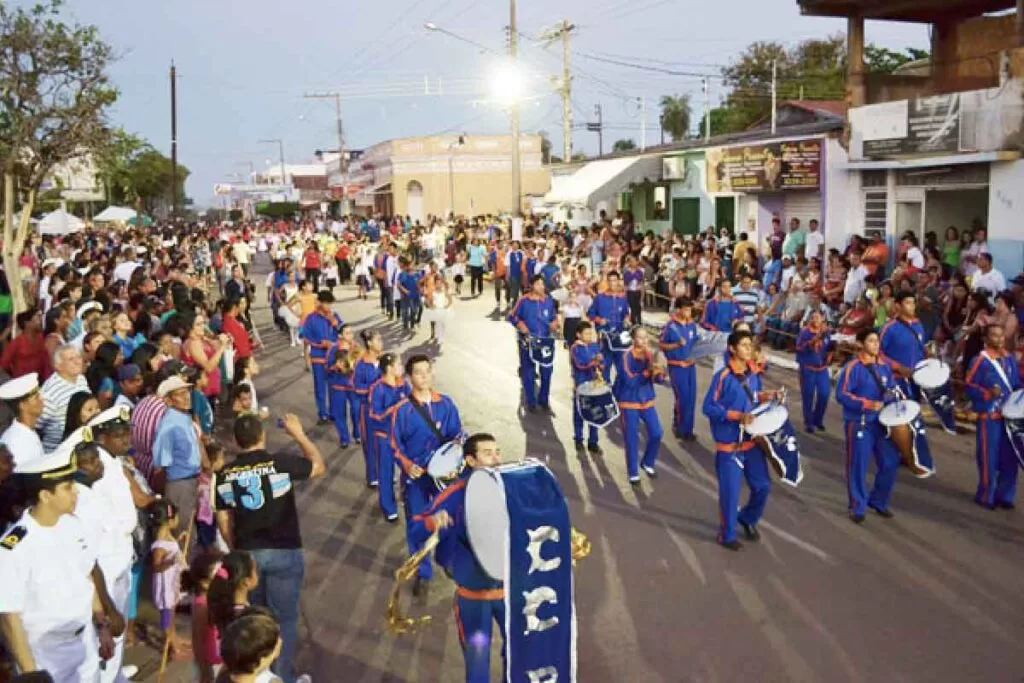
column 1006, row 216
column 696, row 186
column 843, row 203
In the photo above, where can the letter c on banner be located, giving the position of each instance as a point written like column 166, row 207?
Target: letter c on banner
column 538, row 537
column 534, row 599
column 548, row 674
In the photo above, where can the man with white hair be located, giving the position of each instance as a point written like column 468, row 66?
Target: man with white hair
column 66, row 380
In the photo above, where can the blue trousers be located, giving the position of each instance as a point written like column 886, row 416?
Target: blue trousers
column 369, row 450
column 385, row 474
column 862, row 443
column 528, row 371
column 814, row 390
column 731, row 469
column 631, row 419
column 997, row 464
column 417, row 495
column 320, row 388
column 412, row 310
column 684, row 387
column 609, row 355
column 577, row 427
column 281, row 572
column 355, row 408
column 474, row 619
column 342, row 408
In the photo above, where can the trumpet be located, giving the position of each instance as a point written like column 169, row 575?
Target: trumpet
column 580, row 545
column 398, row 622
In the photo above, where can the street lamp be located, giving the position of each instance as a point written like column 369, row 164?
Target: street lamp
column 280, row 150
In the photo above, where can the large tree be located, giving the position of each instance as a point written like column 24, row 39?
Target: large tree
column 675, row 115
column 114, row 161
column 54, row 95
column 149, row 176
column 623, row 145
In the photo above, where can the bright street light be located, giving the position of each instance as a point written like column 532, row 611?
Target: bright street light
column 507, row 83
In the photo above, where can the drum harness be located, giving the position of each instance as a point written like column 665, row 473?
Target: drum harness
column 998, row 367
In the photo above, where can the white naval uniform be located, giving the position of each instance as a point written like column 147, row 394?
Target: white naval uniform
column 45, row 579
column 108, row 513
column 23, row 443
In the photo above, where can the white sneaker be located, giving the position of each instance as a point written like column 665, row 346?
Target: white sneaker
column 129, row 670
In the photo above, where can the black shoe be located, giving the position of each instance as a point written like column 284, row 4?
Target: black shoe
column 887, row 514
column 984, row 505
column 579, row 448
column 321, row 421
column 531, row 409
column 547, row 409
column 751, row 531
column 731, row 545
column 857, row 519
column 595, row 450
column 820, row 428
column 343, row 445
column 1007, row 506
column 809, row 429
column 689, row 437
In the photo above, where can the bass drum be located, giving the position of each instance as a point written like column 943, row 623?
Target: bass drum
column 596, row 403
column 906, row 431
column 446, row 463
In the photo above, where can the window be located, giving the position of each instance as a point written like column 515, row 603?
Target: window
column 657, row 208
column 873, row 178
column 875, row 213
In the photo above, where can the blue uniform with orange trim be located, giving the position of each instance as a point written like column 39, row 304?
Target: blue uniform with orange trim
column 997, row 461
column 813, row 354
column 863, row 384
column 734, row 391
column 381, row 402
column 321, row 334
column 535, row 316
column 366, row 373
column 343, row 407
column 479, row 599
column 586, row 363
column 720, row 314
column 903, row 344
column 677, row 340
column 609, row 311
column 634, row 390
column 413, row 441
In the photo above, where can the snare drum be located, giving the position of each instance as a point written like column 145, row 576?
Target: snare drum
column 931, row 373
column 1013, row 407
column 775, row 434
column 619, row 341
column 596, row 403
column 768, row 419
column 446, row 463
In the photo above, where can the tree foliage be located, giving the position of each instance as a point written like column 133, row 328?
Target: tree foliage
column 623, row 145
column 675, row 115
column 114, row 160
column 881, row 60
column 150, row 180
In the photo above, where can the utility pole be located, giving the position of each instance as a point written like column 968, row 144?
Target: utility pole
column 597, row 128
column 342, row 157
column 642, row 101
column 707, row 111
column 517, row 181
column 174, row 147
column 563, row 31
column 775, row 66
column 280, row 151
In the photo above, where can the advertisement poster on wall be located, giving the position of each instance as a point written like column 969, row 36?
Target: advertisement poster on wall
column 773, row 167
column 933, row 127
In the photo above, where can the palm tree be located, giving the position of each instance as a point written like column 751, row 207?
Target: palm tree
column 675, row 115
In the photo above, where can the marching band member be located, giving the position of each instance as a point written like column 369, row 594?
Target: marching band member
column 722, row 310
column 341, row 360
column 385, row 394
column 734, row 391
column 420, row 424
column 993, row 375
column 587, row 360
column 365, row 374
column 319, row 330
column 534, row 315
column 50, row 610
column 479, row 599
column 610, row 312
column 634, row 390
column 813, row 355
column 863, row 386
column 677, row 340
column 514, row 268
column 902, row 342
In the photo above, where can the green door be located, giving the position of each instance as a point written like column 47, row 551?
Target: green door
column 725, row 213
column 686, row 215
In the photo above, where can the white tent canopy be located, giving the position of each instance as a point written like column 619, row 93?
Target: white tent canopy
column 114, row 214
column 60, row 222
column 602, row 180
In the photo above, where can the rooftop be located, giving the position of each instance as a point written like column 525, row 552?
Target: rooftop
column 919, row 11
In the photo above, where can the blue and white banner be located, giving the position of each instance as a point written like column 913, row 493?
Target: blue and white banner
column 540, row 617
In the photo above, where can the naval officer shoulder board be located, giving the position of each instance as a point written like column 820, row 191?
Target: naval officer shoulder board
column 13, row 537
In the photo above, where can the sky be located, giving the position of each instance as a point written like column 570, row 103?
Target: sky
column 243, row 68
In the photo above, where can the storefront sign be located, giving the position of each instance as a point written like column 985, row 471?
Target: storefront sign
column 773, row 167
column 933, row 127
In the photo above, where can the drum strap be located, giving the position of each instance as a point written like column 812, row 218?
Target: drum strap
column 418, row 407
column 998, row 367
column 913, row 333
column 746, row 389
column 878, row 380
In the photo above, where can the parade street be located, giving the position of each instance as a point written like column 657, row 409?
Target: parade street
column 935, row 594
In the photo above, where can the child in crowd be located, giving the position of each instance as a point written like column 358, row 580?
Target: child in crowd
column 205, row 643
column 362, row 275
column 241, row 400
column 246, row 369
column 572, row 313
column 228, row 595
column 205, row 526
column 459, row 272
column 330, row 276
column 167, row 561
column 249, row 647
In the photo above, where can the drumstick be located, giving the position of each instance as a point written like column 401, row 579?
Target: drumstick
column 167, row 641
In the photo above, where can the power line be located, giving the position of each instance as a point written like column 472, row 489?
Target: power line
column 645, row 67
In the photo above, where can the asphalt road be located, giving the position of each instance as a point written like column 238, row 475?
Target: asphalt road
column 935, row 594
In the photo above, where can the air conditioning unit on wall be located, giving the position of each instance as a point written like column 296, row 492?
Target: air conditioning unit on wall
column 674, row 168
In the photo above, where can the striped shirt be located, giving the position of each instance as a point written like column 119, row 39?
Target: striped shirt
column 145, row 419
column 56, row 392
column 748, row 300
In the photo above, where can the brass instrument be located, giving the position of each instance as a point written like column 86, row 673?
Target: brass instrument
column 580, row 545
column 398, row 622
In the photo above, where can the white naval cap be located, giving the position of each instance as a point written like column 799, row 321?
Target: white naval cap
column 117, row 416
column 88, row 306
column 55, row 262
column 19, row 386
column 61, row 463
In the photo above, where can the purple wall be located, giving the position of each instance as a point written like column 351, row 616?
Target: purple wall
column 767, row 206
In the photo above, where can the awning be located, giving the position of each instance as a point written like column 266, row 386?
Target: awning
column 602, row 180
column 366, row 195
column 929, row 162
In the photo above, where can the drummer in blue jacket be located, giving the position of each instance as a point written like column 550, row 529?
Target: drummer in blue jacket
column 420, row 424
column 609, row 312
column 902, row 342
column 386, row 393
column 587, row 360
column 479, row 599
column 534, row 316
column 734, row 392
column 813, row 354
column 340, row 367
column 320, row 331
column 722, row 310
column 634, row 390
column 993, row 375
column 677, row 340
column 865, row 384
